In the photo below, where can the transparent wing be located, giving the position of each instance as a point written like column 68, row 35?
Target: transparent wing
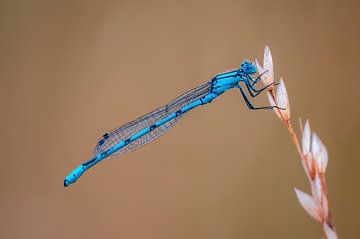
column 125, row 131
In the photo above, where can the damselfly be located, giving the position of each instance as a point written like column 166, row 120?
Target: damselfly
column 148, row 127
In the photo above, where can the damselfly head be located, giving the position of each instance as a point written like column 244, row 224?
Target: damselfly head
column 248, row 67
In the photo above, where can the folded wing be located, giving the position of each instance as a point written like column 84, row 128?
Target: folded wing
column 113, row 137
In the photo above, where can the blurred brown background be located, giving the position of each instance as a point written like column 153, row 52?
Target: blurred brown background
column 71, row 70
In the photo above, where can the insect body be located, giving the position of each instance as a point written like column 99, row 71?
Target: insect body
column 148, row 127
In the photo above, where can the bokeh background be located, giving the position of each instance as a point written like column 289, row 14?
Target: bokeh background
column 71, row 70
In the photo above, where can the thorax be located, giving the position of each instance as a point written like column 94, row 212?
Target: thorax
column 226, row 81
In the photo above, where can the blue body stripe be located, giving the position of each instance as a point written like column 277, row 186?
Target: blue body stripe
column 227, row 74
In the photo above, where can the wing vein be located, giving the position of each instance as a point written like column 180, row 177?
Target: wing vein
column 113, row 137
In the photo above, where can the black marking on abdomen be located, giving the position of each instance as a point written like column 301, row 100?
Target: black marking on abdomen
column 178, row 113
column 152, row 127
column 127, row 141
column 88, row 162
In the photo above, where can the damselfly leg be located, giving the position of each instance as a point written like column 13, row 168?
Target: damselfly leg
column 258, row 78
column 251, row 88
column 251, row 107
